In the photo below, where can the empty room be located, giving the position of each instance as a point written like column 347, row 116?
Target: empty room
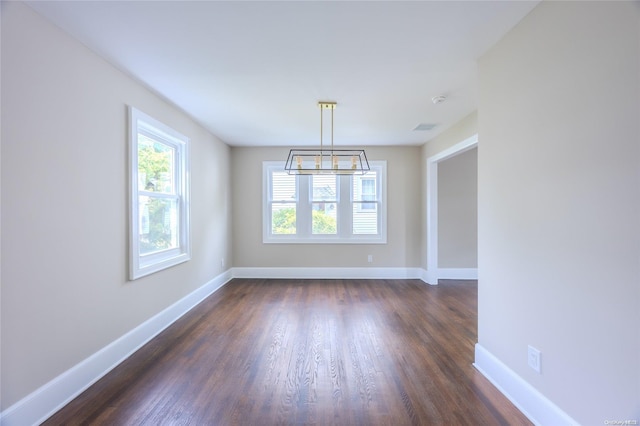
column 320, row 212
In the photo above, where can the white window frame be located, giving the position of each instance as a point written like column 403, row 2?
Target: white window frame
column 345, row 205
column 142, row 265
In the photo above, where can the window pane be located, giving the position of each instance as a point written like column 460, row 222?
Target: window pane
column 155, row 166
column 364, row 187
column 323, row 188
column 283, row 219
column 283, row 187
column 365, row 220
column 324, row 221
column 368, row 193
column 158, row 224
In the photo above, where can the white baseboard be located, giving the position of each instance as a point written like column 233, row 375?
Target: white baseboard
column 457, row 273
column 525, row 397
column 36, row 407
column 329, row 273
column 432, row 276
column 429, row 277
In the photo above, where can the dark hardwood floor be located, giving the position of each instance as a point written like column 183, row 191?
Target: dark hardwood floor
column 325, row 352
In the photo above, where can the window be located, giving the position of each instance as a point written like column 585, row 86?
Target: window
column 324, row 208
column 367, row 192
column 365, row 204
column 324, row 202
column 283, row 199
column 159, row 231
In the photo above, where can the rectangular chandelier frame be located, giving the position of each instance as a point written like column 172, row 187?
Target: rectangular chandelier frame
column 327, row 161
column 337, row 162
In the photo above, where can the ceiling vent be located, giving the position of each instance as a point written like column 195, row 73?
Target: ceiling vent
column 425, row 126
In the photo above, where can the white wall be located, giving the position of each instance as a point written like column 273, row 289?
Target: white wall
column 65, row 293
column 559, row 205
column 403, row 216
column 458, row 211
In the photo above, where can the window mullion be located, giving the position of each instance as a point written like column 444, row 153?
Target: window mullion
column 345, row 221
column 162, row 195
column 304, row 210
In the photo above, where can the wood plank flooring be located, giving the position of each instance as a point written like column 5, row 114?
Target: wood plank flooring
column 298, row 352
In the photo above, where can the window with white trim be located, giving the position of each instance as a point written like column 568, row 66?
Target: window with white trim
column 159, row 204
column 324, row 208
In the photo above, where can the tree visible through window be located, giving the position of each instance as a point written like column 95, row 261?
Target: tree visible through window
column 324, row 199
column 283, row 203
column 159, row 191
column 158, row 227
column 324, row 208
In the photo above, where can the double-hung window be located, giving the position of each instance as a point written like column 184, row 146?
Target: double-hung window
column 324, row 208
column 283, row 199
column 366, row 203
column 159, row 204
column 324, row 198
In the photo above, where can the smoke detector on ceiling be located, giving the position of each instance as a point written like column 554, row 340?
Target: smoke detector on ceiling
column 438, row 99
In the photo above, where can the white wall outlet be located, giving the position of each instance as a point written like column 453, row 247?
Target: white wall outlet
column 222, row 262
column 370, row 258
column 533, row 358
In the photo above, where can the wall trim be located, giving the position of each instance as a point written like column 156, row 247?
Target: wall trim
column 329, row 273
column 41, row 404
column 432, row 200
column 431, row 277
column 457, row 274
column 532, row 403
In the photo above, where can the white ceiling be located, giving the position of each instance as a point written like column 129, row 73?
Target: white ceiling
column 253, row 72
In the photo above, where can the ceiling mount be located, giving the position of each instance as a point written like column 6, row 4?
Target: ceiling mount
column 327, row 105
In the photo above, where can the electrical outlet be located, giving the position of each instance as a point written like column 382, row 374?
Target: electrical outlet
column 222, row 262
column 533, row 358
column 370, row 258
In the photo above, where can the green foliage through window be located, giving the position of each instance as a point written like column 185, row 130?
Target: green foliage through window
column 159, row 195
column 323, row 223
column 155, row 167
column 157, row 224
column 155, row 161
column 284, row 221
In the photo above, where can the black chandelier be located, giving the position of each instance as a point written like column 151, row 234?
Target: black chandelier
column 327, row 161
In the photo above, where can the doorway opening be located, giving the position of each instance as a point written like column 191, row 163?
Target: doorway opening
column 434, row 272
